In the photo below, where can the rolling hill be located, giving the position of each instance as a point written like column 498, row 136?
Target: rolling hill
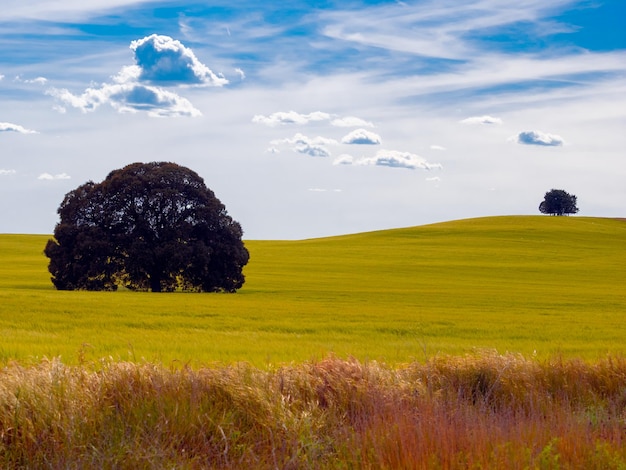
column 530, row 284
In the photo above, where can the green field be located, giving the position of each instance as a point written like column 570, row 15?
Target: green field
column 536, row 285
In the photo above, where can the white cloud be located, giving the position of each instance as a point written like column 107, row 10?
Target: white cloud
column 324, row 190
column 314, row 147
column 396, row 159
column 301, row 139
column 351, row 121
column 38, row 80
column 290, row 117
column 344, row 159
column 434, row 178
column 313, row 150
column 166, row 61
column 241, row 73
column 10, row 127
column 4, row 172
column 437, row 147
column 481, row 120
column 363, row 137
column 1, row 77
column 539, row 138
column 49, row 177
column 129, row 97
column 160, row 60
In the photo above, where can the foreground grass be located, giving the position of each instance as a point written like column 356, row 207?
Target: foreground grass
column 530, row 285
column 478, row 411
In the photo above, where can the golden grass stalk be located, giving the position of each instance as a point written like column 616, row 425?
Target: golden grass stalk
column 477, row 411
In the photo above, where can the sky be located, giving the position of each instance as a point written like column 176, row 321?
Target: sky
column 311, row 119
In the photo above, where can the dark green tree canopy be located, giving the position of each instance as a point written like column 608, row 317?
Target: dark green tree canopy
column 558, row 202
column 146, row 226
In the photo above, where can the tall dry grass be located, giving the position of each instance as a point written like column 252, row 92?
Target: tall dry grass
column 479, row 411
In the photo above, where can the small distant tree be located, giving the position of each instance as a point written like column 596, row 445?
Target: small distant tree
column 558, row 202
column 148, row 226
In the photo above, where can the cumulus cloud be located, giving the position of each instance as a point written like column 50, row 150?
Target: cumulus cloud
column 10, row 127
column 4, row 172
column 344, row 159
column 241, row 73
column 129, row 97
column 49, row 177
column 361, row 137
column 539, row 138
column 301, row 139
column 481, row 120
column 164, row 60
column 313, row 147
column 290, row 117
column 160, row 62
column 351, row 121
column 293, row 117
column 313, row 150
column 396, row 159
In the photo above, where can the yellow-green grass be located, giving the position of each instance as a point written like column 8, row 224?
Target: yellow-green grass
column 531, row 285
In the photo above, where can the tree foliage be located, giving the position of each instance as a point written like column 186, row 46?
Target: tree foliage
column 558, row 202
column 148, row 226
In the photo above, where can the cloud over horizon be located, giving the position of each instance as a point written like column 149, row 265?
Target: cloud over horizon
column 539, row 138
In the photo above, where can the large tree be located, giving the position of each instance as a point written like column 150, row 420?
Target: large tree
column 558, row 202
column 146, row 226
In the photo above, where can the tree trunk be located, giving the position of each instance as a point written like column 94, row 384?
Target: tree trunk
column 155, row 282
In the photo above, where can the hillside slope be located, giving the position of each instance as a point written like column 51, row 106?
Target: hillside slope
column 526, row 284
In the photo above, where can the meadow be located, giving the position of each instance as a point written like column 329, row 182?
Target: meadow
column 481, row 343
column 539, row 286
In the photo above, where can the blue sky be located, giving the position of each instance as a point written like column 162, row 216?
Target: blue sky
column 319, row 118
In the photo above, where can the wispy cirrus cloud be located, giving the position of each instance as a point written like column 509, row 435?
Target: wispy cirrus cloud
column 10, row 127
column 161, row 62
column 539, row 138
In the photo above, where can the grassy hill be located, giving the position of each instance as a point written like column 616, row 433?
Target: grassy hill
column 535, row 285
